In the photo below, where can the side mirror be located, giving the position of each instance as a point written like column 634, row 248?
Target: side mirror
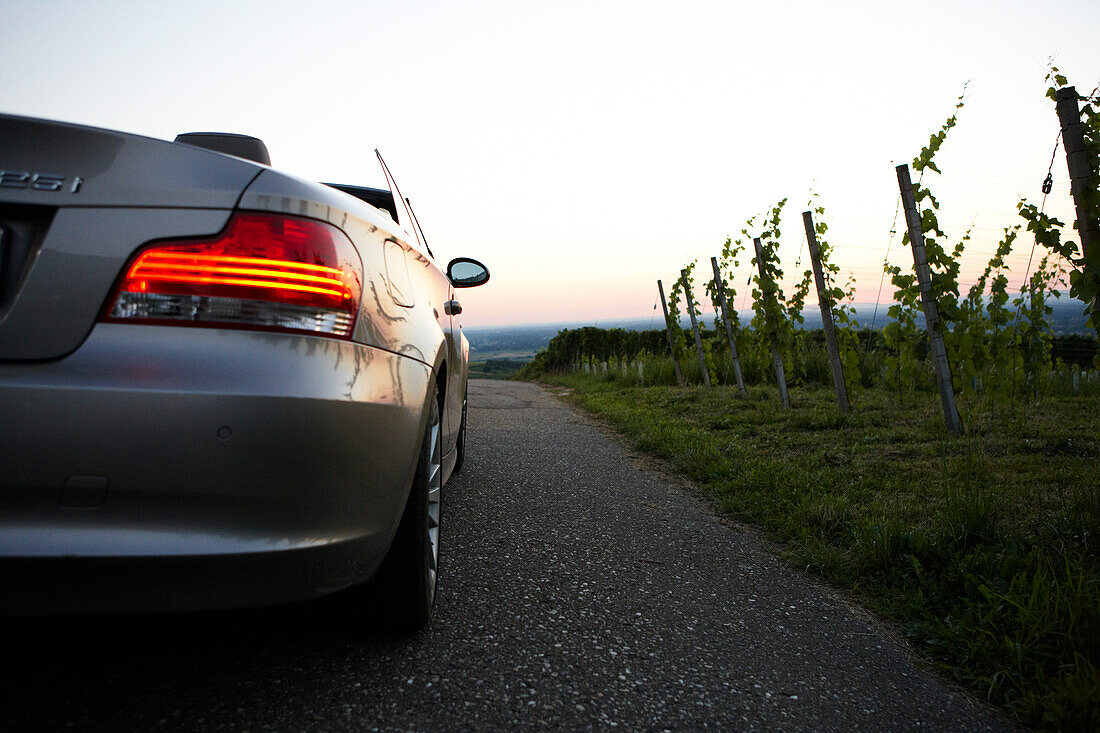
column 464, row 272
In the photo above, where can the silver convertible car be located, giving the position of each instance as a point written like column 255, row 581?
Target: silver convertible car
column 220, row 385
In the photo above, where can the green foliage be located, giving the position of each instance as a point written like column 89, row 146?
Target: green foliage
column 839, row 301
column 1084, row 278
column 924, row 160
column 728, row 262
column 679, row 294
column 685, row 288
column 771, row 318
column 1034, row 339
column 943, row 261
column 589, row 345
column 985, row 337
column 907, row 367
column 676, row 297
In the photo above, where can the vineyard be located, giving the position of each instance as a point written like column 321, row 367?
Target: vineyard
column 939, row 459
column 997, row 342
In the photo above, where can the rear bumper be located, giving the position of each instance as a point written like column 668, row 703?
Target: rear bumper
column 165, row 468
column 159, row 583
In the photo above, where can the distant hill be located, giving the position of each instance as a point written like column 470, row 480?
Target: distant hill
column 520, row 343
column 495, row 368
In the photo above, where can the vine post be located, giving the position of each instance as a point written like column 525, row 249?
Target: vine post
column 720, row 290
column 777, row 359
column 1080, row 173
column 938, row 351
column 824, row 300
column 695, row 326
column 668, row 331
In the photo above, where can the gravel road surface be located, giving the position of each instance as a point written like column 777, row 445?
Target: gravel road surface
column 579, row 591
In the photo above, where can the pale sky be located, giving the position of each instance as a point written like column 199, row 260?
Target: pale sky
column 584, row 149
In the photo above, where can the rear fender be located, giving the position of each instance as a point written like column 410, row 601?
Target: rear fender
column 440, row 379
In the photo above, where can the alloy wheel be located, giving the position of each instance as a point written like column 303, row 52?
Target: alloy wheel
column 435, row 478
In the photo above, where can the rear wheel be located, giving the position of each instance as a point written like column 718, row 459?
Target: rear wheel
column 404, row 586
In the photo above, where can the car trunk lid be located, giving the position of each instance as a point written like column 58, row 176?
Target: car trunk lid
column 75, row 204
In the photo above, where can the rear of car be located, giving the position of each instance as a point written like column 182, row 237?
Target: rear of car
column 211, row 392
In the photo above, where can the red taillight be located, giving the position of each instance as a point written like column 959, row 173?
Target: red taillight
column 264, row 271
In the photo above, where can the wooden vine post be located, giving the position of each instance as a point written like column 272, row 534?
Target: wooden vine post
column 777, row 359
column 695, row 326
column 826, row 304
column 1077, row 160
column 671, row 341
column 937, row 350
column 721, row 291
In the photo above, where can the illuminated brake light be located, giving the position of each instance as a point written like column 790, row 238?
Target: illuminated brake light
column 264, row 271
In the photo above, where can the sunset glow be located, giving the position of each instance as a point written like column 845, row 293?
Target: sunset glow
column 583, row 151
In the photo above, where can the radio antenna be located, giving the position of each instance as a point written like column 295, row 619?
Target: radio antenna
column 408, row 207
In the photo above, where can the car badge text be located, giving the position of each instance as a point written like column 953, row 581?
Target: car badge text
column 40, row 181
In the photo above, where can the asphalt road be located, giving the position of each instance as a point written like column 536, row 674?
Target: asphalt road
column 579, row 591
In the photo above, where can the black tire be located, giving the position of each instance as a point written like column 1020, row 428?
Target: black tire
column 460, row 447
column 404, row 586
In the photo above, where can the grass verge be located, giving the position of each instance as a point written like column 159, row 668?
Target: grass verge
column 983, row 548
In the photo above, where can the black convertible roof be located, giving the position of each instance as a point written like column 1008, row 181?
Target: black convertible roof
column 379, row 198
column 252, row 148
column 242, row 146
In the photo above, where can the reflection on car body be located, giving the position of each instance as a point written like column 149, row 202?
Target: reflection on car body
column 220, row 385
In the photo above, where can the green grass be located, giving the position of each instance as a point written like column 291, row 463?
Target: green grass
column 982, row 547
